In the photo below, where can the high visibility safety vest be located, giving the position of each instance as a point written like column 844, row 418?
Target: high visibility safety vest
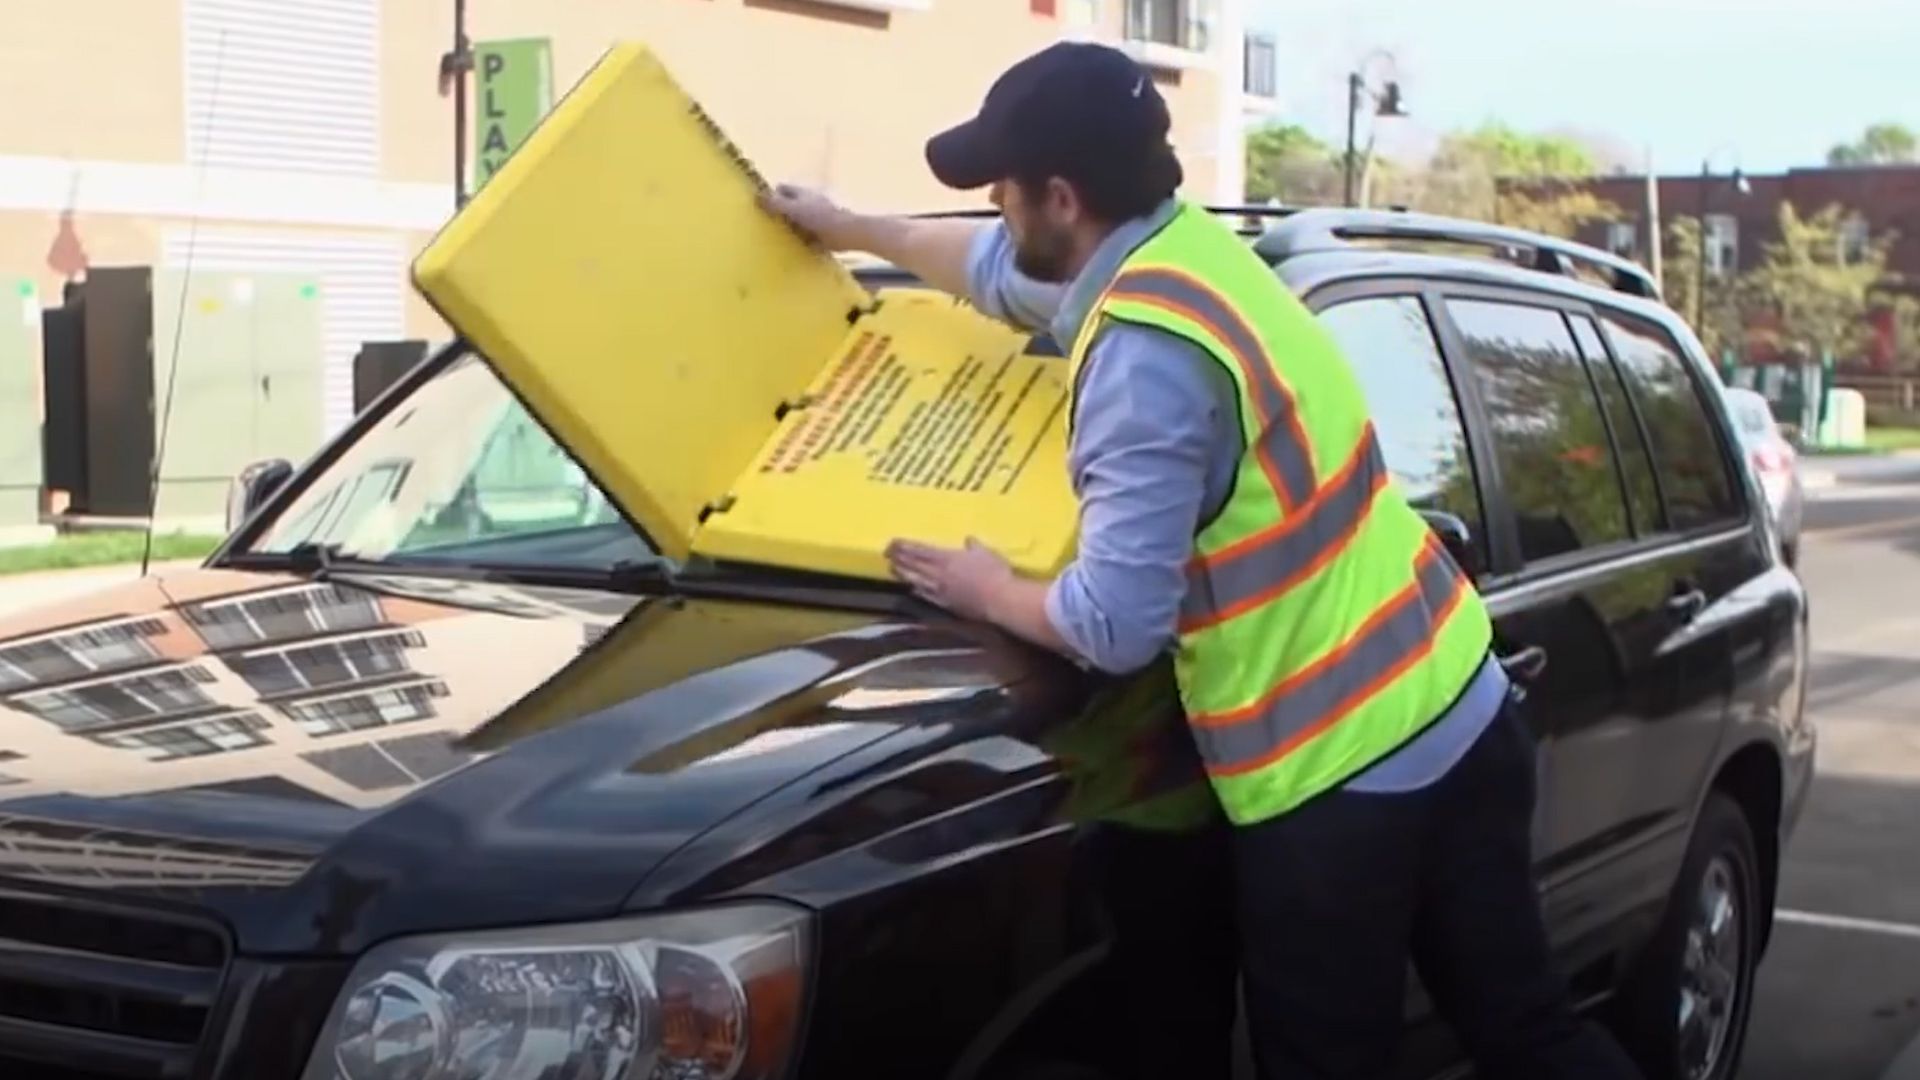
column 1324, row 625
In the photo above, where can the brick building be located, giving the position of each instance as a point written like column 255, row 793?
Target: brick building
column 1740, row 224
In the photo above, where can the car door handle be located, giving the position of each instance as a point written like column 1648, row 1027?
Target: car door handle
column 1526, row 665
column 1685, row 605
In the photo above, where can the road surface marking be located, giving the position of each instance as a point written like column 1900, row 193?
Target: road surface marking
column 1866, row 528
column 1847, row 922
column 1842, row 493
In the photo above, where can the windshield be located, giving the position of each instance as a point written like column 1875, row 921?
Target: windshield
column 457, row 472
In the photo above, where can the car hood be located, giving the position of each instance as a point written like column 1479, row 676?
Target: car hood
column 326, row 763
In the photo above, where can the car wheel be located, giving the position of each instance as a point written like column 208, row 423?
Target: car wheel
column 1683, row 1011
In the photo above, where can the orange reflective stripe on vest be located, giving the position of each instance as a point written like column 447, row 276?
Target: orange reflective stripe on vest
column 1397, row 636
column 1289, row 465
column 1249, row 572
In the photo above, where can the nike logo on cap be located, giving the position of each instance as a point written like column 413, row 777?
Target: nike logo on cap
column 1139, row 86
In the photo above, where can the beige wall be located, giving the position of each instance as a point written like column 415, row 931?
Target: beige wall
column 814, row 94
column 92, row 79
column 132, row 240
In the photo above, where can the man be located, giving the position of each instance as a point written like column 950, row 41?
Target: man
column 1334, row 663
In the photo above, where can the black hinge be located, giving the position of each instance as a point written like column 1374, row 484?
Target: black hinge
column 781, row 410
column 719, row 506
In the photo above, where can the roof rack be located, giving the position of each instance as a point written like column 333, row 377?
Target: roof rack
column 1252, row 224
column 1333, row 229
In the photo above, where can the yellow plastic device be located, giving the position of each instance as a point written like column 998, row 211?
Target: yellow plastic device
column 734, row 389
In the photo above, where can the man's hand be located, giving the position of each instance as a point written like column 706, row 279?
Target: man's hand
column 965, row 580
column 816, row 216
column 976, row 582
column 933, row 250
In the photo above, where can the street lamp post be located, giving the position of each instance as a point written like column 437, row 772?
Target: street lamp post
column 1387, row 102
column 454, row 66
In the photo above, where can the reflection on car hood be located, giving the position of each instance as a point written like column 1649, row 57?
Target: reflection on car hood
column 261, row 743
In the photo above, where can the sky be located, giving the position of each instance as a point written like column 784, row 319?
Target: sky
column 1763, row 85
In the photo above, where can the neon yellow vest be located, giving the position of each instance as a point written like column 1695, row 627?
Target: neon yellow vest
column 1324, row 625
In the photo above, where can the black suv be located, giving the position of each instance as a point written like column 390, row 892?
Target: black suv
column 499, row 793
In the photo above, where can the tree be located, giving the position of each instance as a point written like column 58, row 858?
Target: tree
column 1286, row 162
column 1555, row 213
column 1720, row 325
column 1818, row 297
column 1906, row 333
column 1880, row 144
column 1464, row 178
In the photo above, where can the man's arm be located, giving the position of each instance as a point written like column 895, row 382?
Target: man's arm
column 1147, row 429
column 934, row 250
column 972, row 260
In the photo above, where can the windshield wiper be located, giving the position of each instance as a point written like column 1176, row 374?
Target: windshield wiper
column 625, row 575
column 305, row 557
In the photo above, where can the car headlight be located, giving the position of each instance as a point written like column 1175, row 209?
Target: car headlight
column 711, row 994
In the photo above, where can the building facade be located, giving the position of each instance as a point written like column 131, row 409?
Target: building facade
column 1742, row 218
column 317, row 138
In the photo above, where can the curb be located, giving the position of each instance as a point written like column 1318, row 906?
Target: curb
column 1906, row 1064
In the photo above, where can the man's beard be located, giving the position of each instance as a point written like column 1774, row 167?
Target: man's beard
column 1043, row 254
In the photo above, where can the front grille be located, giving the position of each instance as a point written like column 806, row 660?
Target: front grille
column 89, row 991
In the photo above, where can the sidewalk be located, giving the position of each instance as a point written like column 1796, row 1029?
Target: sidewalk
column 25, row 592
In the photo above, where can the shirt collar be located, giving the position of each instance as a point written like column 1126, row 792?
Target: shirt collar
column 1094, row 277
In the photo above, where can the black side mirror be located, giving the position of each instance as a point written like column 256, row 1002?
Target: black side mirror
column 253, row 487
column 1457, row 538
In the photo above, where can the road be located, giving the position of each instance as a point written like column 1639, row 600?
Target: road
column 1839, row 995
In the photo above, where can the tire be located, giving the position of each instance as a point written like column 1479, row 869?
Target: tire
column 1682, row 1012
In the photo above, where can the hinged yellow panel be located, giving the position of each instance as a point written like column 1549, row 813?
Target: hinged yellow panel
column 930, row 424
column 735, row 390
column 620, row 278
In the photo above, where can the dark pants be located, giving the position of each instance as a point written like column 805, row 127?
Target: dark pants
column 1336, row 896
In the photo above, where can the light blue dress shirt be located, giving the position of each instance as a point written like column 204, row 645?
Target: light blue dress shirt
column 1156, row 442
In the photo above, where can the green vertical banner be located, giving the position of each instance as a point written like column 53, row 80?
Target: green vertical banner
column 514, row 85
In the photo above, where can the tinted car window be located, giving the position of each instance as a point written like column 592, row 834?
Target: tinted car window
column 1390, row 344
column 1692, row 468
column 1636, row 467
column 1556, row 463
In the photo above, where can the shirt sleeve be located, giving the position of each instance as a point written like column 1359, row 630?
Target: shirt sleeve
column 1145, row 423
column 999, row 289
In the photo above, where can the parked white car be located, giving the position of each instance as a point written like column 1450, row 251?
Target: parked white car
column 1775, row 461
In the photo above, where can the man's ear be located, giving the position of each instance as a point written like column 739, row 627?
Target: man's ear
column 1063, row 200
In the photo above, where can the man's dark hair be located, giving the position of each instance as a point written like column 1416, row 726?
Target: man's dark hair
column 1113, row 195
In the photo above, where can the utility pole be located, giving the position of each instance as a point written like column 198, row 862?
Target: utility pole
column 1700, row 267
column 1354, row 86
column 1655, row 260
column 454, row 67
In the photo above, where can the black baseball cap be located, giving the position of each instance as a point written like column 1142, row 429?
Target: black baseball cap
column 1077, row 110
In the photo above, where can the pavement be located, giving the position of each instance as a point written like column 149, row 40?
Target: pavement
column 1839, row 993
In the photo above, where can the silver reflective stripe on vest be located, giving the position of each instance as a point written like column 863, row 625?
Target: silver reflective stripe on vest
column 1182, row 295
column 1270, row 562
column 1318, row 696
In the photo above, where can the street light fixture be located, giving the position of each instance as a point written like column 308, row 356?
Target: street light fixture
column 1387, row 104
